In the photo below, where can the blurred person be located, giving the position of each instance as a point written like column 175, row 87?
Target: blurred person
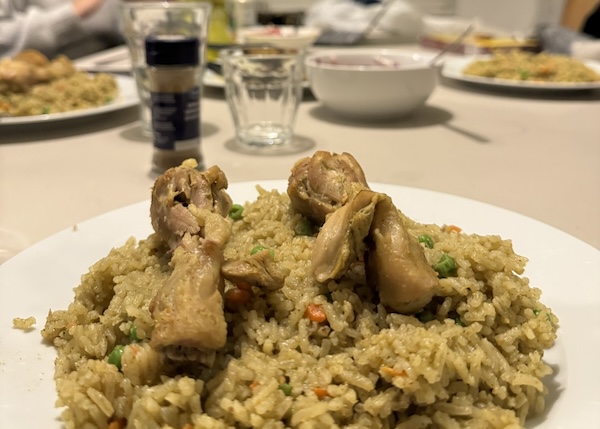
column 591, row 25
column 577, row 13
column 70, row 27
column 401, row 20
column 578, row 32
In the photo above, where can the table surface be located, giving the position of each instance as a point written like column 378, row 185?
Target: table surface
column 535, row 154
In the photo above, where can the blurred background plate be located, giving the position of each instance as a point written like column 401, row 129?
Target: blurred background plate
column 453, row 69
column 127, row 97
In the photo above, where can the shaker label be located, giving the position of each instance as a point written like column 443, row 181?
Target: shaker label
column 175, row 119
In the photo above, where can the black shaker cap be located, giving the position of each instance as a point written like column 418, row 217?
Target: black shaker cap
column 168, row 50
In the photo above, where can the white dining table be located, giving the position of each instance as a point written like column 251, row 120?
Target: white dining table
column 537, row 154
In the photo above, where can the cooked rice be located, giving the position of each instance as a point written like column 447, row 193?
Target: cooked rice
column 528, row 66
column 79, row 91
column 24, row 323
column 477, row 364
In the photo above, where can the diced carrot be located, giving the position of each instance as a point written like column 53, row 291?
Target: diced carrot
column 320, row 392
column 450, row 228
column 254, row 385
column 394, row 373
column 244, row 286
column 134, row 349
column 236, row 299
column 315, row 313
column 117, row 424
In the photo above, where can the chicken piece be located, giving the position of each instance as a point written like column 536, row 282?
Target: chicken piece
column 16, row 76
column 60, row 67
column 33, row 57
column 26, row 69
column 189, row 321
column 341, row 239
column 396, row 263
column 257, row 270
column 213, row 226
column 177, row 189
column 323, row 183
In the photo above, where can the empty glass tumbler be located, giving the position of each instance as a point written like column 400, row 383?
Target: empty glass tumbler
column 263, row 87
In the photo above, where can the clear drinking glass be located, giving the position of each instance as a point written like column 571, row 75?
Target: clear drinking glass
column 143, row 19
column 263, row 87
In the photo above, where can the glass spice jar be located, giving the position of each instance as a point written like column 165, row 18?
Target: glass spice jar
column 174, row 76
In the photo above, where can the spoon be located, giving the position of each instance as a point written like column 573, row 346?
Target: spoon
column 451, row 45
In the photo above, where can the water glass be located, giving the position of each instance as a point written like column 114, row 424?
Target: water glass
column 263, row 88
column 143, row 19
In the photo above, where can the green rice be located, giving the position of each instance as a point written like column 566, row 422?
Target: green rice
column 475, row 362
column 78, row 91
column 528, row 66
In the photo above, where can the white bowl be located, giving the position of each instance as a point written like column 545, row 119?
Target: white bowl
column 281, row 36
column 371, row 83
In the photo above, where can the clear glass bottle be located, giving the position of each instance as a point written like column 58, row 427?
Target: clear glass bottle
column 174, row 76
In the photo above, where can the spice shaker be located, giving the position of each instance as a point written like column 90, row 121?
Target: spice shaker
column 174, row 77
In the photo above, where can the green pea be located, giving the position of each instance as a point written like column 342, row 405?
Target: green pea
column 426, row 240
column 114, row 358
column 236, row 211
column 536, row 312
column 257, row 248
column 133, row 334
column 286, row 389
column 260, row 248
column 446, row 266
column 459, row 322
column 523, row 74
column 425, row 316
column 303, row 227
column 45, row 110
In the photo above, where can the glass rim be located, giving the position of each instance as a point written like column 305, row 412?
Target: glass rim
column 259, row 51
column 133, row 4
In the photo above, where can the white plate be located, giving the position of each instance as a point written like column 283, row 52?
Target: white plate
column 127, row 97
column 565, row 268
column 453, row 69
column 213, row 79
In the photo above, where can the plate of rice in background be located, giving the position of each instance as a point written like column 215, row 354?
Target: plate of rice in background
column 525, row 70
column 36, row 89
column 501, row 337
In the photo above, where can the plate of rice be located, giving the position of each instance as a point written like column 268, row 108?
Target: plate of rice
column 500, row 342
column 79, row 96
column 35, row 88
column 525, row 70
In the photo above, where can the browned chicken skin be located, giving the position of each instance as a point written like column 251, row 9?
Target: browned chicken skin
column 181, row 187
column 188, row 309
column 323, row 183
column 31, row 67
column 342, row 237
column 396, row 262
column 256, row 270
column 187, row 211
column 360, row 222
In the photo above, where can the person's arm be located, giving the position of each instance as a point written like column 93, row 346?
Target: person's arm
column 575, row 13
column 43, row 29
